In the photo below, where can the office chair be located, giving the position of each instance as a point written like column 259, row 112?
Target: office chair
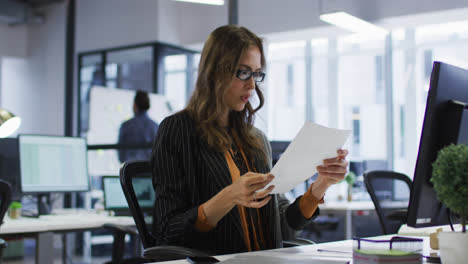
column 129, row 170
column 384, row 187
column 5, row 200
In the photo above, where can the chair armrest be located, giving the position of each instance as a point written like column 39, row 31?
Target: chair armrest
column 297, row 242
column 166, row 253
column 121, row 228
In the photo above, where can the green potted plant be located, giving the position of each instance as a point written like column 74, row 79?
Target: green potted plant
column 14, row 210
column 350, row 178
column 450, row 179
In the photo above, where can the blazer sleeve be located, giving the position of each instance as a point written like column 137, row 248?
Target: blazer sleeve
column 174, row 215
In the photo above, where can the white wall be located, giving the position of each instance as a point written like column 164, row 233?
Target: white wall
column 32, row 83
column 13, row 41
column 111, row 23
column 17, row 95
column 46, row 48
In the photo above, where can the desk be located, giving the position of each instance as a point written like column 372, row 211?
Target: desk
column 349, row 207
column 42, row 228
column 334, row 252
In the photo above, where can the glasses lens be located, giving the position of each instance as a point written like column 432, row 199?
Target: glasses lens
column 258, row 76
column 244, row 74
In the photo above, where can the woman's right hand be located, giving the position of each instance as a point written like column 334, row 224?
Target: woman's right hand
column 245, row 190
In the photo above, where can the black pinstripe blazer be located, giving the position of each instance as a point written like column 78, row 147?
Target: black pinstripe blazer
column 186, row 173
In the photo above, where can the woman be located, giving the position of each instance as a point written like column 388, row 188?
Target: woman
column 200, row 153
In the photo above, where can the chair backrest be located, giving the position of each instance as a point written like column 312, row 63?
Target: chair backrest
column 5, row 198
column 385, row 187
column 128, row 172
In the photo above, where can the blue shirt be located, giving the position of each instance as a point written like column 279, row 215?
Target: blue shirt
column 138, row 130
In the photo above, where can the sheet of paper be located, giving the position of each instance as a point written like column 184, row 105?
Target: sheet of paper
column 310, row 147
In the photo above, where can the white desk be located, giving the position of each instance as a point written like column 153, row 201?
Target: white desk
column 333, row 252
column 349, row 207
column 42, row 228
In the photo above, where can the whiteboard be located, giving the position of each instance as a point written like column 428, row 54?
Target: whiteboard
column 108, row 109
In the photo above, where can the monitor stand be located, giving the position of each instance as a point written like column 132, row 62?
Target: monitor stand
column 43, row 204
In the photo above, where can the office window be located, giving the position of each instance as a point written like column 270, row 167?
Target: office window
column 175, row 80
column 320, row 80
column 361, row 98
column 111, row 75
column 414, row 51
column 285, row 89
column 130, row 69
column 90, row 75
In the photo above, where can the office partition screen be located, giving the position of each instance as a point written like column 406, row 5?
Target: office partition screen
column 53, row 164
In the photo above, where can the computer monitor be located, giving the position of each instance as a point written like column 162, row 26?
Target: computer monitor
column 445, row 122
column 114, row 198
column 52, row 164
column 277, row 149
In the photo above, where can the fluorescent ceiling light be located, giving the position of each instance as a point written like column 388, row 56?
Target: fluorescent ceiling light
column 208, row 2
column 351, row 23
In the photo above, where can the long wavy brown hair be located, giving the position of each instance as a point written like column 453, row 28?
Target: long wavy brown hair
column 218, row 65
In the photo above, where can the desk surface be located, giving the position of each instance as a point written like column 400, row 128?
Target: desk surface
column 333, row 252
column 62, row 220
column 359, row 205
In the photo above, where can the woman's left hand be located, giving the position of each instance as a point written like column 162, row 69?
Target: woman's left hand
column 334, row 170
column 330, row 172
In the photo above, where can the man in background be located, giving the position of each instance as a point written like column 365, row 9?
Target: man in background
column 138, row 130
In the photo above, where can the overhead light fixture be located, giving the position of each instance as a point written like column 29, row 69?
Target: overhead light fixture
column 208, row 2
column 9, row 123
column 351, row 23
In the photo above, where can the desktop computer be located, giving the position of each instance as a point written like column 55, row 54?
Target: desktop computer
column 50, row 164
column 445, row 122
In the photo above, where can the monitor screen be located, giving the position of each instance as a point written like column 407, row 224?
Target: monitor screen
column 53, row 164
column 443, row 125
column 114, row 198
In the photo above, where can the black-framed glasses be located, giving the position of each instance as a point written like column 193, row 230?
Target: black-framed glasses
column 244, row 75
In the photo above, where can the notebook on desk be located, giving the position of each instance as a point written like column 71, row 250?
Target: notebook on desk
column 114, row 198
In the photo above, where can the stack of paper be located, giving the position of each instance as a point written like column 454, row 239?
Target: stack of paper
column 377, row 256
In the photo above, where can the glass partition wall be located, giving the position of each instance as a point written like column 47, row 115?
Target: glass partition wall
column 157, row 68
column 153, row 67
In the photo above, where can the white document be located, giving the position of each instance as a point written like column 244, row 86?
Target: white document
column 310, row 147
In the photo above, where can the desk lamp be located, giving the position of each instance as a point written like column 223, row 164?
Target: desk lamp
column 8, row 123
